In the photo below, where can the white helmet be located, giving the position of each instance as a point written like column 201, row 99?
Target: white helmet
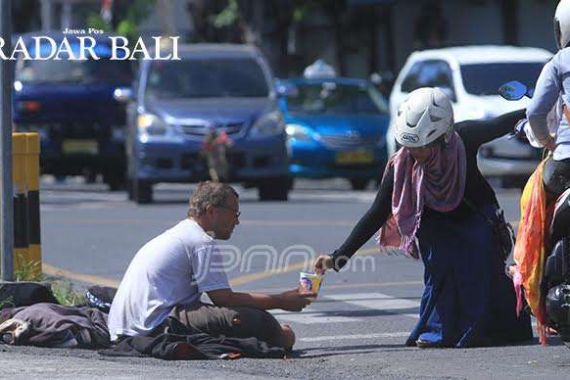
column 562, row 24
column 423, row 117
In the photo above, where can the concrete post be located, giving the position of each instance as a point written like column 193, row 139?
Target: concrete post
column 7, row 205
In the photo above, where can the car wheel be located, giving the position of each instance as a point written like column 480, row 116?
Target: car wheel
column 359, row 183
column 142, row 192
column 274, row 189
column 291, row 183
column 130, row 190
column 90, row 175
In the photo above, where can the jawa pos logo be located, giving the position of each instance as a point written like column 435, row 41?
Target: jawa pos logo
column 76, row 45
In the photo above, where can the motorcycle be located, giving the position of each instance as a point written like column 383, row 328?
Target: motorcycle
column 555, row 283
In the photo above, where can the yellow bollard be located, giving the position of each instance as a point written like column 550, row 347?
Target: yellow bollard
column 21, row 252
column 32, row 163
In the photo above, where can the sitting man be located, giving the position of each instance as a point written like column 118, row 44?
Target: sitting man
column 168, row 275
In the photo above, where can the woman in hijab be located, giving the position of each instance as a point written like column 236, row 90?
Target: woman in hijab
column 434, row 203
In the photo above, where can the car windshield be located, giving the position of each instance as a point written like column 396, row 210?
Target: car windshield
column 486, row 78
column 208, row 78
column 64, row 71
column 335, row 98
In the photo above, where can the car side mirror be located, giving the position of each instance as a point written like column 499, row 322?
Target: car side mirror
column 514, row 90
column 286, row 90
column 124, row 94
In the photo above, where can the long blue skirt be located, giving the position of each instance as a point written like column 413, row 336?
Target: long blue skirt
column 468, row 300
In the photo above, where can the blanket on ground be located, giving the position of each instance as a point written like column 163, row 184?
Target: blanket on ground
column 174, row 341
column 53, row 325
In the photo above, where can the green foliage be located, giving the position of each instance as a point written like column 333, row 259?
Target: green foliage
column 63, row 290
column 8, row 302
column 139, row 10
column 299, row 14
column 65, row 293
column 228, row 16
column 303, row 8
column 94, row 20
column 127, row 26
column 28, row 270
column 128, row 29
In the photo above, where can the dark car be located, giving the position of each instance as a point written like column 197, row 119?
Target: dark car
column 213, row 88
column 336, row 127
column 70, row 104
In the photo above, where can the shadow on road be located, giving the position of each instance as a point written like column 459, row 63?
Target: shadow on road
column 321, row 352
column 362, row 313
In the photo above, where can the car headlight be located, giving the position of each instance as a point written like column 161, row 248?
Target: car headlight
column 267, row 125
column 297, row 132
column 152, row 125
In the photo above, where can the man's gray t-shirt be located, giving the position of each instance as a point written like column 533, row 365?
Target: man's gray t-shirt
column 174, row 268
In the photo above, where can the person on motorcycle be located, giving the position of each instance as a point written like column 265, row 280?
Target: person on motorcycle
column 434, row 203
column 553, row 90
column 550, row 179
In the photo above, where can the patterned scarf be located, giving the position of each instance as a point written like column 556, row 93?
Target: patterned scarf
column 530, row 249
column 437, row 183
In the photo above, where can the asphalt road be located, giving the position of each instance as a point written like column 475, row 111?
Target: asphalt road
column 355, row 329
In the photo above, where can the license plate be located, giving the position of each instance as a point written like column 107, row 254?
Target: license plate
column 355, row 157
column 80, row 146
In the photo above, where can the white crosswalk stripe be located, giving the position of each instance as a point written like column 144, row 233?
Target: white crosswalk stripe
column 367, row 301
column 377, row 301
column 398, row 335
column 309, row 318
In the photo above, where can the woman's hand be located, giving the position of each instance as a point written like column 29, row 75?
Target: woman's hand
column 322, row 264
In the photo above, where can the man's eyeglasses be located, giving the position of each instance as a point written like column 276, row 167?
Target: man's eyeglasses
column 236, row 212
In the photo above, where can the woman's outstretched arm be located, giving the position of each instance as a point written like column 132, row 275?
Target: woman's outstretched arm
column 478, row 132
column 369, row 223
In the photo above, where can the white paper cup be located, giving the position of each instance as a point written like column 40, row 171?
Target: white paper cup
column 310, row 281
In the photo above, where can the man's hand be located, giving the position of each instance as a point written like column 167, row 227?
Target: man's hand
column 295, row 300
column 322, row 264
column 550, row 144
column 566, row 113
column 292, row 300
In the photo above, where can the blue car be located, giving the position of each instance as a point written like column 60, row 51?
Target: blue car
column 71, row 104
column 336, row 127
column 214, row 88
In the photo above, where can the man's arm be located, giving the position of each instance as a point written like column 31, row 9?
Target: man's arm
column 292, row 300
column 548, row 89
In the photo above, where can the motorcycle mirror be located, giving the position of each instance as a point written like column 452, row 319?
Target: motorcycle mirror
column 513, row 90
